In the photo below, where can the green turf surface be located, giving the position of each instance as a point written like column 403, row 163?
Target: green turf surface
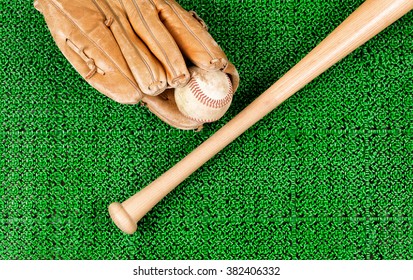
column 328, row 175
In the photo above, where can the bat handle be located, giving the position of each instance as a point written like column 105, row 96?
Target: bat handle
column 127, row 214
column 368, row 20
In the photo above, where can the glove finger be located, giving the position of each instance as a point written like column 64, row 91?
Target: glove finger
column 191, row 35
column 76, row 29
column 146, row 69
column 145, row 21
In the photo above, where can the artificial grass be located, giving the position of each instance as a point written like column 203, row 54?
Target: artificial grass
column 328, row 175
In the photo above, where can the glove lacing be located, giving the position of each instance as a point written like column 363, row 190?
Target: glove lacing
column 89, row 61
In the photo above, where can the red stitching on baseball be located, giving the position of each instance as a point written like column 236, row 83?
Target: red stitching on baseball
column 201, row 121
column 206, row 100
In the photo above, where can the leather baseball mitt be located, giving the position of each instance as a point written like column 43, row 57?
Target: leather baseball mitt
column 135, row 50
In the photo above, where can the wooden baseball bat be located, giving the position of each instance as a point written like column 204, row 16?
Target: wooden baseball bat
column 368, row 20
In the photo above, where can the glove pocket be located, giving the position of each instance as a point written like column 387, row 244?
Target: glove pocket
column 164, row 107
column 79, row 31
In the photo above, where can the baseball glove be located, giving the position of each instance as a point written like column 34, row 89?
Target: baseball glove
column 135, row 50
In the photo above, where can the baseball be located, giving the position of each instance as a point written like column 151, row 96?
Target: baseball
column 206, row 97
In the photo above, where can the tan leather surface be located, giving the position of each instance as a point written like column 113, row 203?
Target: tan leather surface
column 165, row 108
column 83, row 28
column 133, row 50
column 146, row 68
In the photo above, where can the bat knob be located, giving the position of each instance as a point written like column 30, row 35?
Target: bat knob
column 121, row 218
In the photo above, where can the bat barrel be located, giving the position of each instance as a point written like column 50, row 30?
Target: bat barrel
column 368, row 20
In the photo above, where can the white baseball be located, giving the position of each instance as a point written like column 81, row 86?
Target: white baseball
column 206, row 97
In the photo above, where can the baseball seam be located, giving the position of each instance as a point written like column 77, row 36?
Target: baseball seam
column 206, row 100
column 201, row 121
